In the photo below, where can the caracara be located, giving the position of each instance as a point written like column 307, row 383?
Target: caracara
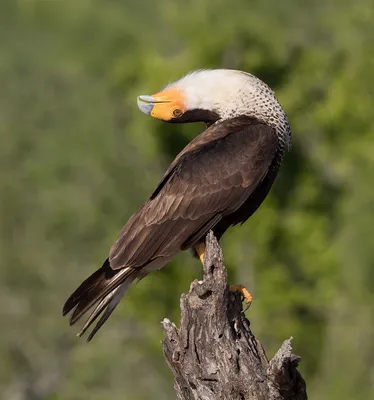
column 218, row 180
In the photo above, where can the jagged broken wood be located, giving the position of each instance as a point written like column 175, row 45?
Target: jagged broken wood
column 214, row 355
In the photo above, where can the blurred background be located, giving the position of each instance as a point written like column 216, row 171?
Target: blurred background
column 77, row 158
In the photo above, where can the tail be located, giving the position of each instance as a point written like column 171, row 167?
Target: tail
column 103, row 289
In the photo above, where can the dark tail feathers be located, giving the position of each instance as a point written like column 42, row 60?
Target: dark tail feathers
column 104, row 288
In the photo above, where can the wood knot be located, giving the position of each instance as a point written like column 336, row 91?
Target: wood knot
column 176, row 356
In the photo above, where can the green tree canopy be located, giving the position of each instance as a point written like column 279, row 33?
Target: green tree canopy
column 77, row 158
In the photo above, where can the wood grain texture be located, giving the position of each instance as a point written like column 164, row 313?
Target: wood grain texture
column 214, row 355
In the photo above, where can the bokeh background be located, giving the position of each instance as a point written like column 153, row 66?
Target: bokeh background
column 77, row 158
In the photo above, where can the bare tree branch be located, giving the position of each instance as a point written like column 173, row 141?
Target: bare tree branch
column 214, row 355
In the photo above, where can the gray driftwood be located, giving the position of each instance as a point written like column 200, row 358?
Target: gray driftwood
column 214, row 355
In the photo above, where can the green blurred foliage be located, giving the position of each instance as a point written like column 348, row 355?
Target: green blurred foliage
column 77, row 158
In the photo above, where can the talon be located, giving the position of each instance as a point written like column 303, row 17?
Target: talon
column 245, row 293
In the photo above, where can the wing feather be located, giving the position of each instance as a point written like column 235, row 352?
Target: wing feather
column 206, row 182
column 209, row 181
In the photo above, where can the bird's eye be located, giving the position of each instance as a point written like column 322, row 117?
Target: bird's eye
column 177, row 113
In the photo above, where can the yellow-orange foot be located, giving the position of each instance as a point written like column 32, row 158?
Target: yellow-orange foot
column 200, row 250
column 245, row 293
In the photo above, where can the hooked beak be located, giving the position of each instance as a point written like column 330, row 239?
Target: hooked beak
column 162, row 105
column 146, row 103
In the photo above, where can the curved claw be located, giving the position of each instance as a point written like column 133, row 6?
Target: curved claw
column 247, row 297
column 248, row 305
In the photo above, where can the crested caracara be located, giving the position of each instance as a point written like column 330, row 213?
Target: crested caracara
column 218, row 180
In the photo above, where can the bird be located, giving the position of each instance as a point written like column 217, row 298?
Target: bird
column 217, row 181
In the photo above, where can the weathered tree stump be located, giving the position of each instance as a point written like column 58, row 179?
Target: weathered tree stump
column 214, row 355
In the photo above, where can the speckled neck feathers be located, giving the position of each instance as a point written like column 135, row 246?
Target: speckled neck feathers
column 231, row 93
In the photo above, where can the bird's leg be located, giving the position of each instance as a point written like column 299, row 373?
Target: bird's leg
column 245, row 293
column 200, row 250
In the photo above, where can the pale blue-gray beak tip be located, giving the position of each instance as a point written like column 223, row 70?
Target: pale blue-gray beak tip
column 146, row 103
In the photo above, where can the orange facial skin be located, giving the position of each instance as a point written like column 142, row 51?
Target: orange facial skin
column 168, row 104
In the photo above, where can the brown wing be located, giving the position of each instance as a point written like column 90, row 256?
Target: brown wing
column 210, row 179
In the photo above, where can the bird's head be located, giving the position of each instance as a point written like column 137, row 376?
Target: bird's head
column 211, row 95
